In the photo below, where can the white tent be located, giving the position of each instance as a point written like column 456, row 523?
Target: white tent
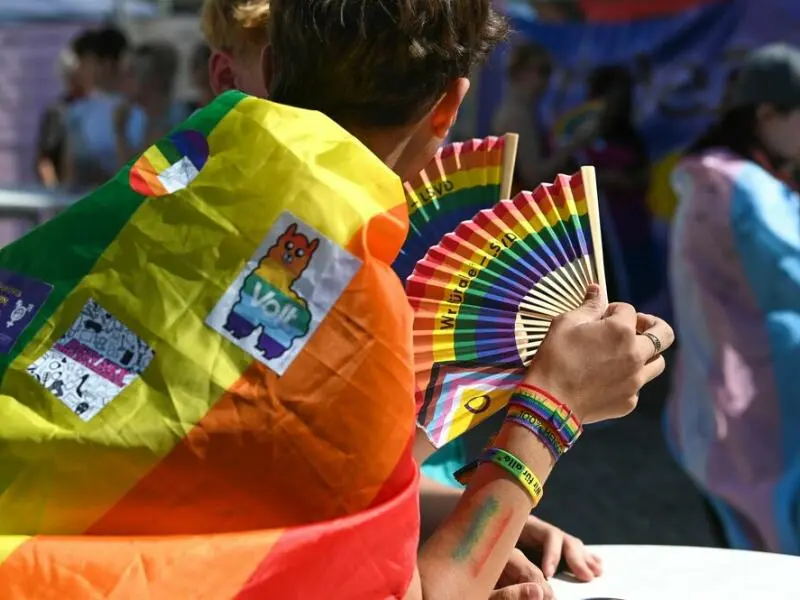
column 57, row 10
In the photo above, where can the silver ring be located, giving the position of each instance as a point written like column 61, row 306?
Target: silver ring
column 653, row 338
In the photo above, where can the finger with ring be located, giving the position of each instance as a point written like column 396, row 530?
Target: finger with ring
column 656, row 342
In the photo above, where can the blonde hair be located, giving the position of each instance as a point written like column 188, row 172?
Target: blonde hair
column 236, row 26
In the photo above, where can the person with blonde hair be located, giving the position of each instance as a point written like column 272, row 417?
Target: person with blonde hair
column 236, row 31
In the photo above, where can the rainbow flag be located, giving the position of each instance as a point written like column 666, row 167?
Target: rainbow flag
column 206, row 378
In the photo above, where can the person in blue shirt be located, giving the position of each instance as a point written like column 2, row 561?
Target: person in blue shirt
column 90, row 151
column 148, row 110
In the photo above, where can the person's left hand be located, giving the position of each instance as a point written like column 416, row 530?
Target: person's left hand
column 554, row 543
column 521, row 579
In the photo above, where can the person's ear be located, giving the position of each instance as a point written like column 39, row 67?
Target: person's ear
column 267, row 66
column 222, row 76
column 445, row 112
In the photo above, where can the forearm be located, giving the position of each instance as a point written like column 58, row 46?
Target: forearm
column 46, row 171
column 465, row 556
column 437, row 502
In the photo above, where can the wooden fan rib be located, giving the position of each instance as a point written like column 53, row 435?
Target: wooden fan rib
column 589, row 180
column 510, row 146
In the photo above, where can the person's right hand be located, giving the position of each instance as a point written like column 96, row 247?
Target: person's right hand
column 595, row 358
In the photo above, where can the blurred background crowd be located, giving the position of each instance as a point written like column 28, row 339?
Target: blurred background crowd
column 627, row 86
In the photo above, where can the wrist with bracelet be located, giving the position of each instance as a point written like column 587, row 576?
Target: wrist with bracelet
column 551, row 422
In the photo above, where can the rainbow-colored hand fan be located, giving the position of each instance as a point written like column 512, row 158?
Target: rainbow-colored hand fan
column 484, row 298
column 463, row 178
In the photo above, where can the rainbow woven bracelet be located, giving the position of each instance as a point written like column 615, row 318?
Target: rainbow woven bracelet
column 558, row 416
column 541, row 429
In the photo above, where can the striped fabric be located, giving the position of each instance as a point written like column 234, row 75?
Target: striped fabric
column 207, row 392
column 734, row 415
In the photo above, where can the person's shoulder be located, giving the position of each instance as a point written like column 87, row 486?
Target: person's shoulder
column 711, row 172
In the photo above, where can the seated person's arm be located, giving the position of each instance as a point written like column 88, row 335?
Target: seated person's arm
column 465, row 556
column 546, row 541
column 51, row 133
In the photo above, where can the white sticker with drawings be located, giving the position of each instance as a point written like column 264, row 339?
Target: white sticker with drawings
column 95, row 360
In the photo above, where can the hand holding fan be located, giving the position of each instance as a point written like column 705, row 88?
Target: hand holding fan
column 484, row 298
column 463, row 178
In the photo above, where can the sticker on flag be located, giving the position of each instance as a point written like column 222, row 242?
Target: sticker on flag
column 21, row 298
column 170, row 165
column 284, row 292
column 93, row 362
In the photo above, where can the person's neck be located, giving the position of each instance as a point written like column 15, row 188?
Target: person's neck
column 391, row 146
column 105, row 87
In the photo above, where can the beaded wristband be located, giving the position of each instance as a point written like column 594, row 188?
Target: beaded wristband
column 542, row 430
column 515, row 467
column 557, row 415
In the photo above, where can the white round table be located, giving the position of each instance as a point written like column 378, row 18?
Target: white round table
column 679, row 573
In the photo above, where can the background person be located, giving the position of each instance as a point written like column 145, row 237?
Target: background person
column 623, row 172
column 236, row 31
column 529, row 70
column 75, row 67
column 91, row 148
column 149, row 110
column 733, row 417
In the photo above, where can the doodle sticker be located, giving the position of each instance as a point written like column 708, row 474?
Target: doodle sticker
column 92, row 362
column 21, row 298
column 284, row 292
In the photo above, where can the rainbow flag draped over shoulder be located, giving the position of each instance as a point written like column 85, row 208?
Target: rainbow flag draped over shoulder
column 207, row 388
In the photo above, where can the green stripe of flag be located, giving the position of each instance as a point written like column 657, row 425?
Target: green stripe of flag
column 64, row 250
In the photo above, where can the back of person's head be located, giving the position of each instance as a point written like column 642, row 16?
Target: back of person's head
column 155, row 66
column 762, row 109
column 76, row 63
column 238, row 27
column 527, row 56
column 376, row 63
column 237, row 31
column 84, row 44
column 110, row 44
